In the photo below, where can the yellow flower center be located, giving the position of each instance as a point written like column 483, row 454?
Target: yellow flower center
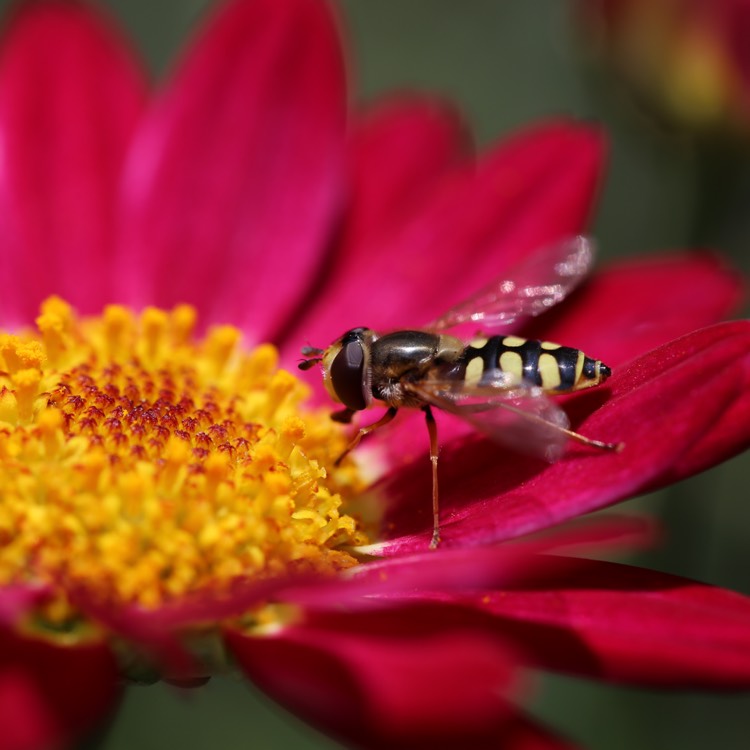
column 141, row 464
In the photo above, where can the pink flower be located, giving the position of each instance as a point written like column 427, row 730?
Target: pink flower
column 242, row 188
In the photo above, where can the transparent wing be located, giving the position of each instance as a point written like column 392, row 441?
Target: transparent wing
column 532, row 287
column 511, row 412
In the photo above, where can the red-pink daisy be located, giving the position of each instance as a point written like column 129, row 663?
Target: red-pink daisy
column 164, row 494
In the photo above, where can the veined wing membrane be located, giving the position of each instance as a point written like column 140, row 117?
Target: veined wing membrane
column 515, row 414
column 533, row 286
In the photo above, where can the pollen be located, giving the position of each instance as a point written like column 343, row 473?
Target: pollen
column 140, row 463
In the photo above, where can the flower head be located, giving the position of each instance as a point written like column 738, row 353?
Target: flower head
column 168, row 502
column 140, row 465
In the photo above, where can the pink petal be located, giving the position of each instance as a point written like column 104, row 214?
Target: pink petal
column 51, row 694
column 535, row 188
column 633, row 306
column 235, row 175
column 70, row 95
column 397, row 154
column 381, row 681
column 726, row 435
column 471, row 568
column 665, row 407
column 628, row 625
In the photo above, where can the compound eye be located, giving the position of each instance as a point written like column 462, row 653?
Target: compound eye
column 348, row 376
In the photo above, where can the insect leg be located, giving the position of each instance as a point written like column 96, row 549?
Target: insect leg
column 387, row 417
column 432, row 429
column 616, row 447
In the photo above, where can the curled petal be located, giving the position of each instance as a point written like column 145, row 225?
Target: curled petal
column 234, row 177
column 382, row 684
column 665, row 407
column 50, row 694
column 726, row 348
column 729, row 433
column 628, row 624
column 70, row 96
column 469, row 568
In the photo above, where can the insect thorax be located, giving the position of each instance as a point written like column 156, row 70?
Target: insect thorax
column 408, row 356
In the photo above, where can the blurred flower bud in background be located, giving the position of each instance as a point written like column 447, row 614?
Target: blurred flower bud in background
column 685, row 62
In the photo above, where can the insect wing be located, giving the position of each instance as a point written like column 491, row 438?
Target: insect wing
column 514, row 413
column 533, row 286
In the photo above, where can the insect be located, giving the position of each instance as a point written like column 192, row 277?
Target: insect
column 499, row 384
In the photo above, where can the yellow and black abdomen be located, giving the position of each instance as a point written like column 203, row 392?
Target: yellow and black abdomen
column 551, row 366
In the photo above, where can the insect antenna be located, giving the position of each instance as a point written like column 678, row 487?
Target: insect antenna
column 312, row 354
column 306, row 364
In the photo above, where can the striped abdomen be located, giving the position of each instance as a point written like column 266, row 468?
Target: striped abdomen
column 551, row 366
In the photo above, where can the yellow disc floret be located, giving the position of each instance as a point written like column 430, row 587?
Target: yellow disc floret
column 143, row 465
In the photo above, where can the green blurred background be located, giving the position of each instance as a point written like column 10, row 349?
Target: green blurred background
column 505, row 63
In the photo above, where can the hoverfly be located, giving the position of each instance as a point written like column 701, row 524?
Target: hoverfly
column 498, row 384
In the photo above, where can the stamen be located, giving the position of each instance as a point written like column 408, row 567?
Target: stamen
column 55, row 323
